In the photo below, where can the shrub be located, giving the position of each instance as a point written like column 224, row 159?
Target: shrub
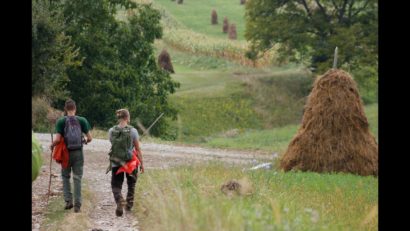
column 39, row 109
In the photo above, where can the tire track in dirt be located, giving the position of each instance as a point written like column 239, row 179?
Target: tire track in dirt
column 156, row 156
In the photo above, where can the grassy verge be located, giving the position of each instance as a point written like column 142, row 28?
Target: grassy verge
column 189, row 198
column 56, row 218
column 272, row 140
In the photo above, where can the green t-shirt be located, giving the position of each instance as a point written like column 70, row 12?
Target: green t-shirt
column 60, row 124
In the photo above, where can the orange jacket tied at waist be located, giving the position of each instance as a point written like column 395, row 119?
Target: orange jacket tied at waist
column 131, row 165
column 60, row 154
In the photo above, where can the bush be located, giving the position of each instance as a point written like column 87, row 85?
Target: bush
column 214, row 17
column 367, row 81
column 232, row 31
column 43, row 116
column 36, row 159
column 39, row 109
column 225, row 25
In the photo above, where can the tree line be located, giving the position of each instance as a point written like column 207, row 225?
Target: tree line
column 81, row 50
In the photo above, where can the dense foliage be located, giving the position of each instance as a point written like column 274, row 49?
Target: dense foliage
column 118, row 65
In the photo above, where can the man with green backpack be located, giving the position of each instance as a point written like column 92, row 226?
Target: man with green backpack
column 123, row 138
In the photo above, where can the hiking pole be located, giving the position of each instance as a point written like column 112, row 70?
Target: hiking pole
column 51, row 161
column 146, row 131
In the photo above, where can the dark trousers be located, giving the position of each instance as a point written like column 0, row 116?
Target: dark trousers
column 116, row 185
column 75, row 164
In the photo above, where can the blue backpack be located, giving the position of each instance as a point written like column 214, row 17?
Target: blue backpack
column 72, row 133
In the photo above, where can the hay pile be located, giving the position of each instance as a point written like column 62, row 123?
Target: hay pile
column 334, row 136
column 214, row 17
column 232, row 31
column 164, row 61
column 225, row 25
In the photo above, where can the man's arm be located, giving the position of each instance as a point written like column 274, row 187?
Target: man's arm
column 86, row 129
column 57, row 140
column 139, row 154
column 89, row 137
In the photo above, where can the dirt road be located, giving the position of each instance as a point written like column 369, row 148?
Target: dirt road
column 100, row 213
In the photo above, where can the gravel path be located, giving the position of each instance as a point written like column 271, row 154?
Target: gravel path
column 156, row 156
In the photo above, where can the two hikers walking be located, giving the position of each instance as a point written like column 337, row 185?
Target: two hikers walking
column 125, row 156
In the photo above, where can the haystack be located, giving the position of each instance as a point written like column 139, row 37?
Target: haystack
column 232, row 31
column 334, row 136
column 214, row 17
column 164, row 61
column 225, row 25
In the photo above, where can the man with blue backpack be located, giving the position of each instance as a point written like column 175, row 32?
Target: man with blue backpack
column 72, row 128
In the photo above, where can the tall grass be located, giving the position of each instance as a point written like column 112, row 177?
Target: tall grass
column 189, row 198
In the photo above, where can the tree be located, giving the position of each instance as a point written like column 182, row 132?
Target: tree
column 120, row 68
column 313, row 28
column 52, row 52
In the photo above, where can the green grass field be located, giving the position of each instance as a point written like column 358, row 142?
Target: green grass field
column 196, row 15
column 189, row 198
column 276, row 139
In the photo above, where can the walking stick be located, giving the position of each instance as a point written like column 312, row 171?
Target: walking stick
column 51, row 161
column 146, row 131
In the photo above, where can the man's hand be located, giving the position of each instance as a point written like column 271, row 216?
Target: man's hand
column 142, row 168
column 51, row 146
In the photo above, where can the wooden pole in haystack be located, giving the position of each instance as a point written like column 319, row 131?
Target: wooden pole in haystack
column 335, row 59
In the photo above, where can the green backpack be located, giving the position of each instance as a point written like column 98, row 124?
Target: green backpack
column 120, row 144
